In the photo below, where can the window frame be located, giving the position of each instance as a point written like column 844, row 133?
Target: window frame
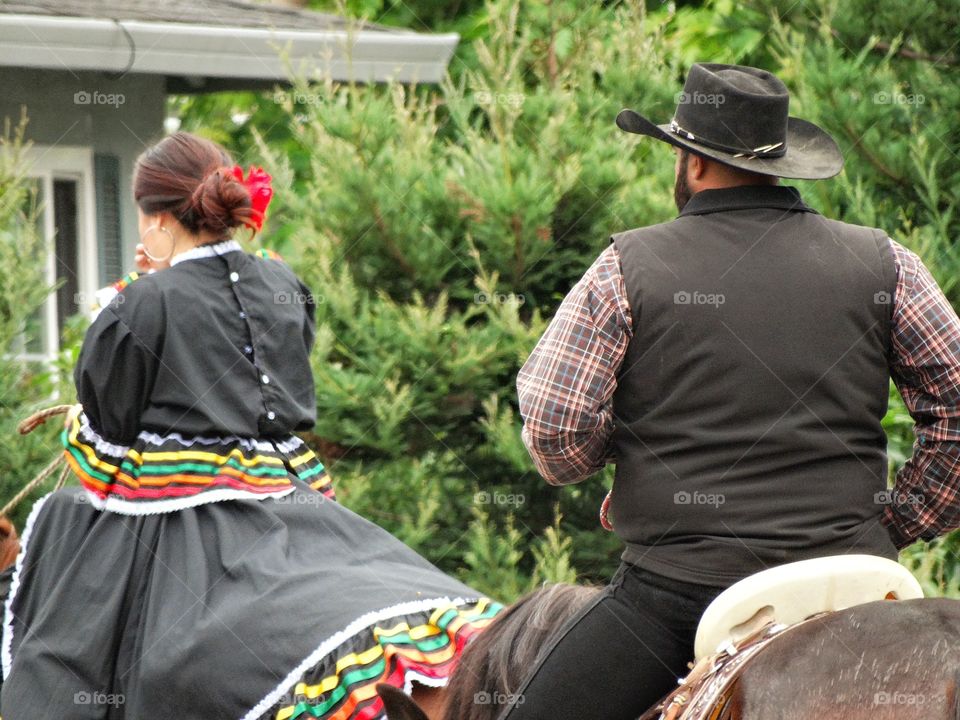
column 46, row 163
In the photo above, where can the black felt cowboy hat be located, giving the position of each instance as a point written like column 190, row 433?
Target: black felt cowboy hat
column 738, row 116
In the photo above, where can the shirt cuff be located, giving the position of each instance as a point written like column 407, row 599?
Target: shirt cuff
column 897, row 535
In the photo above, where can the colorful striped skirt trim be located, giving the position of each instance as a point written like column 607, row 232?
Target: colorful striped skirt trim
column 163, row 473
column 419, row 642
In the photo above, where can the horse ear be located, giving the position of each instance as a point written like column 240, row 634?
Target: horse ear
column 398, row 705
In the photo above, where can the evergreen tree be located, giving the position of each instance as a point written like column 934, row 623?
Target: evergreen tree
column 24, row 386
column 443, row 227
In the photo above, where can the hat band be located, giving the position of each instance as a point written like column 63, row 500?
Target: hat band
column 773, row 150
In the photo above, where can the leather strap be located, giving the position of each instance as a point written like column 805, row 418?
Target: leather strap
column 705, row 693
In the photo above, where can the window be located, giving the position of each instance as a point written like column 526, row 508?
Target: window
column 64, row 178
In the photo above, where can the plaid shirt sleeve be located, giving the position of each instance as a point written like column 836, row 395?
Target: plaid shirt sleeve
column 566, row 386
column 925, row 365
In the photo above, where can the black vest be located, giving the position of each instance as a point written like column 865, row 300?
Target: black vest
column 749, row 402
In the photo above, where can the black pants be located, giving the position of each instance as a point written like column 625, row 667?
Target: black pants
column 620, row 655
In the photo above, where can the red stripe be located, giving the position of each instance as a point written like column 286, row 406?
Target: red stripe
column 218, row 481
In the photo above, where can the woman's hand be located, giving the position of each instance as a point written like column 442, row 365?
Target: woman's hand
column 145, row 264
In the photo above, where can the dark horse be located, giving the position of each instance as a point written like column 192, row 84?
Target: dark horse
column 879, row 660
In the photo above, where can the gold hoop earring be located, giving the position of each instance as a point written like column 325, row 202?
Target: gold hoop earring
column 173, row 243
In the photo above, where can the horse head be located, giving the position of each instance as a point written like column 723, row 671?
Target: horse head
column 494, row 665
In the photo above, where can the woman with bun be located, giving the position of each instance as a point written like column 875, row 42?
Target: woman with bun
column 203, row 568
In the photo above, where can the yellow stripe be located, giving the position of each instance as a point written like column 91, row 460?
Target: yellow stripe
column 398, row 628
column 183, row 455
column 330, row 682
column 324, row 481
column 301, row 459
column 424, row 631
column 479, row 609
column 417, row 633
column 88, row 452
column 453, row 627
column 443, row 609
column 440, row 612
column 363, row 658
column 421, row 631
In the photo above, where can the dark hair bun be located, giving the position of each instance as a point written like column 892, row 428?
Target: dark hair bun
column 219, row 203
column 192, row 178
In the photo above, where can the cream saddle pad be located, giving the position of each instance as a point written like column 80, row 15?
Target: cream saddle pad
column 790, row 593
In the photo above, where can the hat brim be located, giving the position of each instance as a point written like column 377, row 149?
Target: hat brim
column 811, row 153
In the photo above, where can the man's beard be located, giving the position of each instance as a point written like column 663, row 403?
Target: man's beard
column 681, row 190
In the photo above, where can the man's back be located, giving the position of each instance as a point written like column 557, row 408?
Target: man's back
column 749, row 402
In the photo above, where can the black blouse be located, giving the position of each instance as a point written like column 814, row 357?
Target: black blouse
column 197, row 374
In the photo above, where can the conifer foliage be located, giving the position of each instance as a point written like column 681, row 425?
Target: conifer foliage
column 442, row 227
column 25, row 386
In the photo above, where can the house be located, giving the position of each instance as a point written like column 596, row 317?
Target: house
column 94, row 76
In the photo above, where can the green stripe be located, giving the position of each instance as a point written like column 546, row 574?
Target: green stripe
column 492, row 610
column 318, row 468
column 197, row 467
column 447, row 617
column 351, row 678
column 82, row 461
column 428, row 644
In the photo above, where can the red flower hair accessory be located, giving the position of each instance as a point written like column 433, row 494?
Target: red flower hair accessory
column 257, row 182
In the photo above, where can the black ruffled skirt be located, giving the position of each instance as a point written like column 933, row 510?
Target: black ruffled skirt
column 287, row 608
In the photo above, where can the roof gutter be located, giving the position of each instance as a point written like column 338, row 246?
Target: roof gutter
column 212, row 51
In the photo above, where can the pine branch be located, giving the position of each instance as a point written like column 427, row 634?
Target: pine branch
column 391, row 245
column 905, row 52
column 883, row 48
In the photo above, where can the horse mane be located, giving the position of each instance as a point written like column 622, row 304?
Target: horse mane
column 495, row 664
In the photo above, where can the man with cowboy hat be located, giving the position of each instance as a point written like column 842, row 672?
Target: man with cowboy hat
column 734, row 363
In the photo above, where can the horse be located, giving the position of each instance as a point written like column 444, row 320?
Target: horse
column 492, row 666
column 9, row 543
column 881, row 660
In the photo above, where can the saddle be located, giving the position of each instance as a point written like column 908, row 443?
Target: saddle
column 754, row 612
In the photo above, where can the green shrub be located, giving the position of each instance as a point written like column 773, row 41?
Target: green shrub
column 410, row 210
column 24, row 386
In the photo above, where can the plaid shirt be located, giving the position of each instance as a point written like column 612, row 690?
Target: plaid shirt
column 567, row 384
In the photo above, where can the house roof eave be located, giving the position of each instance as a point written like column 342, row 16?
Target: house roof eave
column 262, row 54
